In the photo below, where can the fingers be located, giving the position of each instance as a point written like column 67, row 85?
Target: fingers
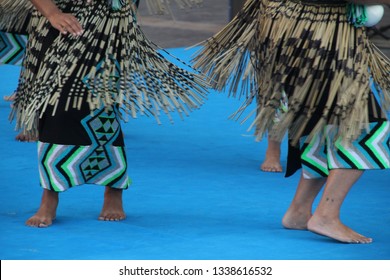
column 66, row 24
column 70, row 25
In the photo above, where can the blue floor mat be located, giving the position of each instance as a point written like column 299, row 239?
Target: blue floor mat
column 197, row 193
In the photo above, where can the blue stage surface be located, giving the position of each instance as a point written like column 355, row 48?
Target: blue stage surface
column 197, row 194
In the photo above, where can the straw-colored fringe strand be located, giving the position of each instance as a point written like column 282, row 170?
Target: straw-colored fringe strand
column 13, row 14
column 231, row 51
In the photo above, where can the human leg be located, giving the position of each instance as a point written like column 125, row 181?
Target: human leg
column 91, row 151
column 300, row 209
column 326, row 218
column 271, row 162
column 112, row 207
column 47, row 210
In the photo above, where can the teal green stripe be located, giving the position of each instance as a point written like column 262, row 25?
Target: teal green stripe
column 308, row 159
column 65, row 166
column 340, row 147
column 373, row 149
column 50, row 170
column 11, row 38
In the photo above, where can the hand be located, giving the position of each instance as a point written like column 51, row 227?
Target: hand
column 66, row 23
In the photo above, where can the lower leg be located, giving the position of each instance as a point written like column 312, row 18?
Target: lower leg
column 47, row 210
column 326, row 218
column 300, row 210
column 272, row 157
column 112, row 206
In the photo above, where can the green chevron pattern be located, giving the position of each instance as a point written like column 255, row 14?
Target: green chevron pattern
column 12, row 48
column 370, row 151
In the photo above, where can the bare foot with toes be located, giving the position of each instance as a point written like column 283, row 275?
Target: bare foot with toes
column 336, row 230
column 112, row 206
column 46, row 212
column 272, row 158
column 271, row 164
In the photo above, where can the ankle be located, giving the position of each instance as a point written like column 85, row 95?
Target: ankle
column 111, row 190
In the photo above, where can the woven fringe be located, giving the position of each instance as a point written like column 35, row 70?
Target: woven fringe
column 13, row 14
column 229, row 51
column 115, row 61
column 311, row 52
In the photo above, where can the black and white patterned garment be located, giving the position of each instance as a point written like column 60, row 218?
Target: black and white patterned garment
column 73, row 91
column 327, row 67
column 307, row 49
column 111, row 63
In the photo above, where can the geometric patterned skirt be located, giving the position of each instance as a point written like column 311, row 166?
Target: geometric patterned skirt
column 78, row 148
column 371, row 150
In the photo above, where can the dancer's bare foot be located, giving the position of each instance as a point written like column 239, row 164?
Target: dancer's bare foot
column 336, row 230
column 112, row 206
column 296, row 218
column 326, row 218
column 271, row 164
column 300, row 209
column 272, row 158
column 22, row 137
column 46, row 212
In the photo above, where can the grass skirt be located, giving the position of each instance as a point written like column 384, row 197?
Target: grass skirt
column 111, row 64
column 308, row 50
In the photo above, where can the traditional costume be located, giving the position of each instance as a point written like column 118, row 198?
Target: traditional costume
column 73, row 91
column 325, row 64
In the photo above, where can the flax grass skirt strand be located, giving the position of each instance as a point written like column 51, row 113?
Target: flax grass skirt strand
column 311, row 52
column 111, row 64
column 13, row 14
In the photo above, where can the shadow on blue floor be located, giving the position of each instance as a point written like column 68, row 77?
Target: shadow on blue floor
column 197, row 193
